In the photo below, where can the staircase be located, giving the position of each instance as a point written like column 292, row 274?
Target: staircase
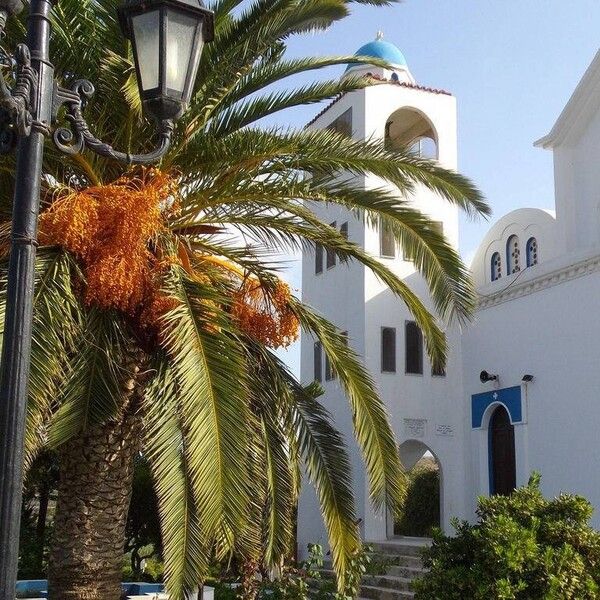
column 400, row 563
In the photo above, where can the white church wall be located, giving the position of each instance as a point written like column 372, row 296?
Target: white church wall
column 338, row 294
column 553, row 335
column 577, row 187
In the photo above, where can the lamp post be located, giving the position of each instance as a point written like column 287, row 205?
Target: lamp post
column 167, row 38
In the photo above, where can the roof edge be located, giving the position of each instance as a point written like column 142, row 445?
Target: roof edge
column 577, row 107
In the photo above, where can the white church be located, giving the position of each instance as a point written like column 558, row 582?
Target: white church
column 521, row 391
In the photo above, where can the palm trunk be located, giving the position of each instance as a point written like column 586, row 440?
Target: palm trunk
column 96, row 474
column 40, row 529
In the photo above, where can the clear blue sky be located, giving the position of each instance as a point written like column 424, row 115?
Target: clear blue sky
column 512, row 66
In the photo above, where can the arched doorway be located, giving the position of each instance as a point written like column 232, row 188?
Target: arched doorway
column 503, row 471
column 422, row 507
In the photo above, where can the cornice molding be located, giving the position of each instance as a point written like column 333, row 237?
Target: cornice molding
column 516, row 289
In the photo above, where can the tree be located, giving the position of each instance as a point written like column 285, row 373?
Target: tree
column 523, row 547
column 154, row 328
column 39, row 490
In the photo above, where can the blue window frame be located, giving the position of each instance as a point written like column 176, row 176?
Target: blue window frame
column 532, row 252
column 496, row 266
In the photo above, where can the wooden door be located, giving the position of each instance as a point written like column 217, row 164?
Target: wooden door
column 503, row 464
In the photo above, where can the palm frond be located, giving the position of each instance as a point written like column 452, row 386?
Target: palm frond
column 186, row 549
column 371, row 423
column 93, row 389
column 211, row 379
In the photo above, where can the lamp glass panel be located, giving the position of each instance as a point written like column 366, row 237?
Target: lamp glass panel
column 146, row 30
column 181, row 33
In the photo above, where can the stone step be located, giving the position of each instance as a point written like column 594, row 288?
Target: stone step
column 389, row 561
column 411, row 571
column 386, row 580
column 389, row 582
column 381, row 593
column 401, row 547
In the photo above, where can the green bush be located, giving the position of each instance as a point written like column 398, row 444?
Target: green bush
column 421, row 512
column 523, row 547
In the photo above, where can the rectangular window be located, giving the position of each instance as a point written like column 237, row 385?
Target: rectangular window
column 413, row 348
column 387, row 243
column 388, row 350
column 331, row 253
column 318, row 361
column 343, row 124
column 318, row 258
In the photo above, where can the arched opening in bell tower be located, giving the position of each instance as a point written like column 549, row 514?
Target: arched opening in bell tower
column 409, row 128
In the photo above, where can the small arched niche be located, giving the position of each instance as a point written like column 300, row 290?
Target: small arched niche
column 408, row 128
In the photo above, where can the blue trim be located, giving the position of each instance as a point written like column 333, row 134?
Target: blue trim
column 528, row 251
column 493, row 275
column 509, row 397
column 490, row 463
column 130, row 588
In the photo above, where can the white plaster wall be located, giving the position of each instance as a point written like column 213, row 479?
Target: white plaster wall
column 338, row 294
column 552, row 334
column 577, row 179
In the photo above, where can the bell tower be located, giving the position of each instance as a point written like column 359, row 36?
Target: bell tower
column 398, row 113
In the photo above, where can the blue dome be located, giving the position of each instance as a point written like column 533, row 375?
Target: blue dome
column 383, row 50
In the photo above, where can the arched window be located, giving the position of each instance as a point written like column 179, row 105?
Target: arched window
column 496, row 266
column 410, row 128
column 513, row 255
column 532, row 252
column 395, row 77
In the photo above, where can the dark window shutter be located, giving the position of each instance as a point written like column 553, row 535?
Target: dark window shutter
column 331, row 253
column 318, row 362
column 414, row 348
column 318, row 258
column 388, row 350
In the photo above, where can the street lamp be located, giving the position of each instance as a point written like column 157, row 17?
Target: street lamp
column 167, row 38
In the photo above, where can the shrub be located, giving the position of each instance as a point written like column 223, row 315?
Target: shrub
column 421, row 511
column 523, row 547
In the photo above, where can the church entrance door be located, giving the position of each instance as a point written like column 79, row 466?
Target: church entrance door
column 502, row 453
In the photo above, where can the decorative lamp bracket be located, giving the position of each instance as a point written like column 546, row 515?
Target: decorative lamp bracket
column 77, row 137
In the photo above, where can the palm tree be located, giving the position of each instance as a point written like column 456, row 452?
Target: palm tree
column 154, row 328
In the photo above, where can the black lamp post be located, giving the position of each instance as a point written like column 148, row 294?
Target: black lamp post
column 168, row 37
